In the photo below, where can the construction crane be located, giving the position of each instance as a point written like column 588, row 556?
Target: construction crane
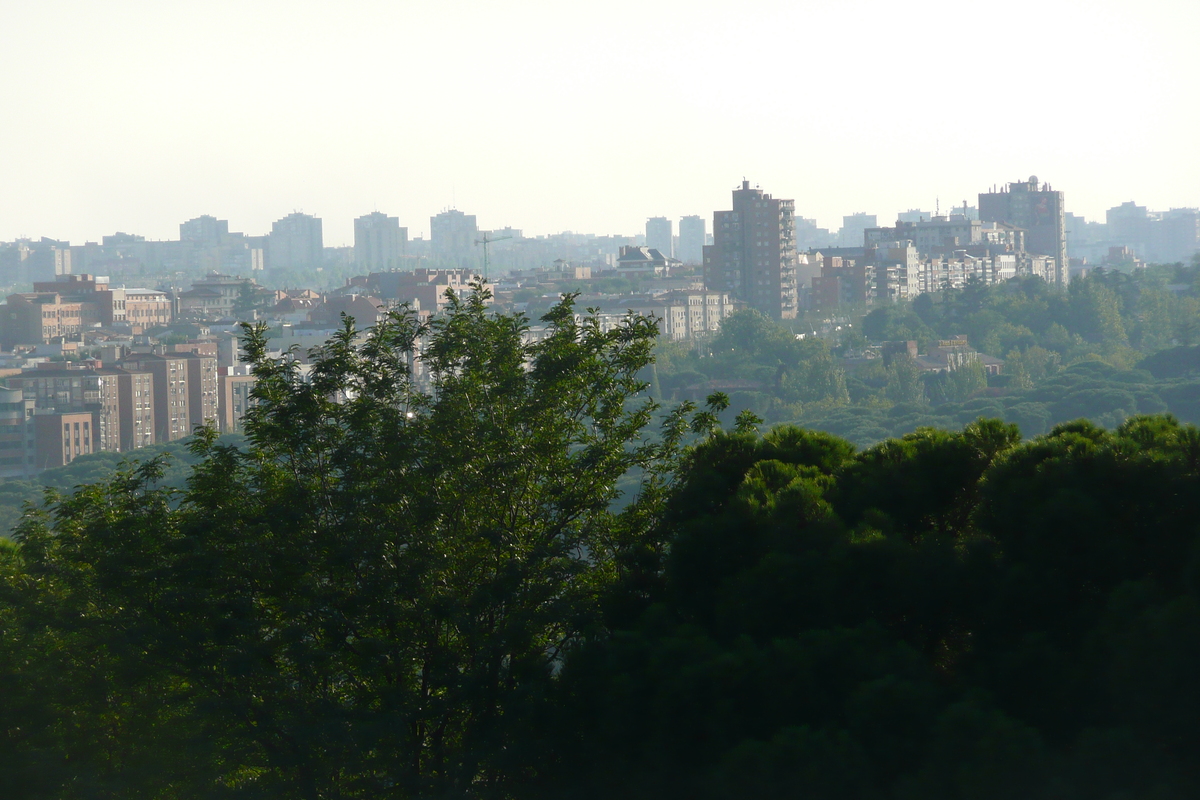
column 485, row 241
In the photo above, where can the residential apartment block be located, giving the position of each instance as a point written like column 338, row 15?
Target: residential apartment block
column 452, row 237
column 296, row 242
column 17, row 435
column 235, row 385
column 379, row 242
column 74, row 303
column 897, row 270
column 683, row 315
column 1040, row 212
column 660, row 236
column 172, row 396
column 692, row 238
column 119, row 400
column 63, row 437
column 753, row 256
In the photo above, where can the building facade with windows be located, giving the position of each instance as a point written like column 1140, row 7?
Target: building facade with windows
column 170, row 392
column 1039, row 210
column 17, row 436
column 753, row 254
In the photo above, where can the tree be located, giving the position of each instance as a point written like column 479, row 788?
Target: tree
column 247, row 300
column 372, row 600
column 904, row 380
column 1095, row 312
column 755, row 335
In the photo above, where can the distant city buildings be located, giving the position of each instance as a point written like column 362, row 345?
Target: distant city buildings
column 659, row 236
column 851, row 234
column 1132, row 233
column 692, row 238
column 60, row 297
column 296, row 242
column 452, row 236
column 809, row 235
column 1037, row 209
column 25, row 261
column 204, row 230
column 913, row 215
column 753, row 256
column 77, row 303
column 379, row 242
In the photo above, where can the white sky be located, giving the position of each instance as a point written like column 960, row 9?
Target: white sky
column 551, row 116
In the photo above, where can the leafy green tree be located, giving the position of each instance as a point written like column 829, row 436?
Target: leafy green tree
column 755, row 335
column 904, row 381
column 897, row 323
column 1095, row 312
column 372, row 601
column 247, row 301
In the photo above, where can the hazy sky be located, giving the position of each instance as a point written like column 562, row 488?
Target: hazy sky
column 552, row 116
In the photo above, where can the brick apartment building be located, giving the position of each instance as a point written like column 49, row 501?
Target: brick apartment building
column 75, row 303
column 119, row 400
column 185, row 391
column 753, row 254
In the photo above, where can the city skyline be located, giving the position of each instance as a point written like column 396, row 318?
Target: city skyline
column 149, row 114
column 420, row 228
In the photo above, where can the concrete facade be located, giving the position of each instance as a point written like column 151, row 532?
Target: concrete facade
column 753, row 254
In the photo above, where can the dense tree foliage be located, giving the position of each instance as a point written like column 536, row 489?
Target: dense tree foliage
column 1089, row 389
column 16, row 494
column 1115, row 316
column 396, row 593
column 1067, row 354
column 369, row 601
column 949, row 615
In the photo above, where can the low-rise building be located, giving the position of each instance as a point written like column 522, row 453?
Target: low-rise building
column 640, row 262
column 682, row 315
column 73, row 304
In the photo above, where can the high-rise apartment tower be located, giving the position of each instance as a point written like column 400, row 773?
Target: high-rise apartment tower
column 691, row 240
column 753, row 254
column 659, row 236
column 1038, row 210
column 379, row 242
column 296, row 242
column 452, row 236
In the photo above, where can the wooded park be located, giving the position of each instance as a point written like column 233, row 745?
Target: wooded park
column 535, row 580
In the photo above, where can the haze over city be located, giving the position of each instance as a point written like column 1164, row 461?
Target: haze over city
column 135, row 115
